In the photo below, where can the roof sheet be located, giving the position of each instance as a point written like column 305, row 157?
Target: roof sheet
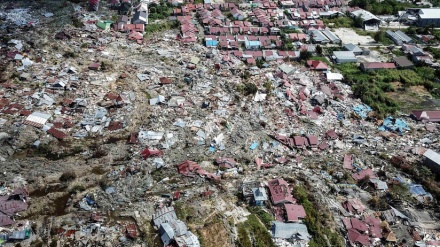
column 287, row 230
column 294, row 212
column 37, row 119
column 431, row 13
column 344, row 55
column 432, row 155
column 402, row 61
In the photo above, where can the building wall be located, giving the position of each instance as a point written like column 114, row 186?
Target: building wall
column 346, row 60
column 432, row 165
column 259, row 203
column 428, row 22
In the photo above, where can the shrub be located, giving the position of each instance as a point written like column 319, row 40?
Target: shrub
column 250, row 89
column 67, row 176
column 77, row 188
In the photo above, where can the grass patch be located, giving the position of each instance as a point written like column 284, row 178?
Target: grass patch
column 318, row 58
column 252, row 233
column 184, row 212
column 386, row 7
column 371, row 87
column 243, row 239
column 434, row 51
column 160, row 26
column 322, row 234
column 380, row 38
column 159, row 11
column 339, row 22
column 264, row 216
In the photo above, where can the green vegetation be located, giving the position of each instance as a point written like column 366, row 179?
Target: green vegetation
column 428, row 30
column 159, row 11
column 339, row 22
column 379, row 36
column 371, row 86
column 316, row 220
column 319, row 50
column 399, row 191
column 421, row 174
column 252, row 233
column 67, row 176
column 243, row 237
column 434, row 51
column 249, row 89
column 160, row 27
column 386, row 7
column 68, row 54
column 305, row 55
column 77, row 188
column 318, row 58
column 77, row 22
column 264, row 216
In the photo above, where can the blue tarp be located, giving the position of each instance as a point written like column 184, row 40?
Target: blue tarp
column 394, row 124
column 254, row 145
column 211, row 43
column 417, row 189
column 362, row 110
column 89, row 201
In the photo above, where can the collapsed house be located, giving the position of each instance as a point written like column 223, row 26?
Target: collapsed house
column 173, row 232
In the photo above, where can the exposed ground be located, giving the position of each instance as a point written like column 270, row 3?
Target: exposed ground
column 348, row 35
column 414, row 97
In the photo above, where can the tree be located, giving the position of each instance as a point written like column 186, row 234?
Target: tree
column 304, row 55
column 410, row 30
column 319, row 50
column 388, row 22
column 358, row 21
column 378, row 36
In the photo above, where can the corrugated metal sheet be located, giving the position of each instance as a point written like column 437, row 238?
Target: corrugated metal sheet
column 37, row 119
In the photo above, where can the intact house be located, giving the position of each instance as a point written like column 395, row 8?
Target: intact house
column 344, row 57
column 238, row 14
column 369, row 21
column 398, row 37
column 140, row 17
column 318, row 37
column 294, row 212
column 317, row 65
column 428, row 17
column 353, row 48
column 331, row 36
column 403, row 63
column 370, row 66
column 260, row 196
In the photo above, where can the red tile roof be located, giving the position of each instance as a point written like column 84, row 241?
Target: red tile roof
column 378, row 65
column 151, row 152
column 348, row 161
column 359, row 225
column 57, row 133
column 280, row 192
column 363, row 174
column 355, row 237
column 428, row 116
column 317, row 65
column 294, row 212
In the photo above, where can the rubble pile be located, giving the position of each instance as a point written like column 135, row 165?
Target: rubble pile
column 164, row 139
